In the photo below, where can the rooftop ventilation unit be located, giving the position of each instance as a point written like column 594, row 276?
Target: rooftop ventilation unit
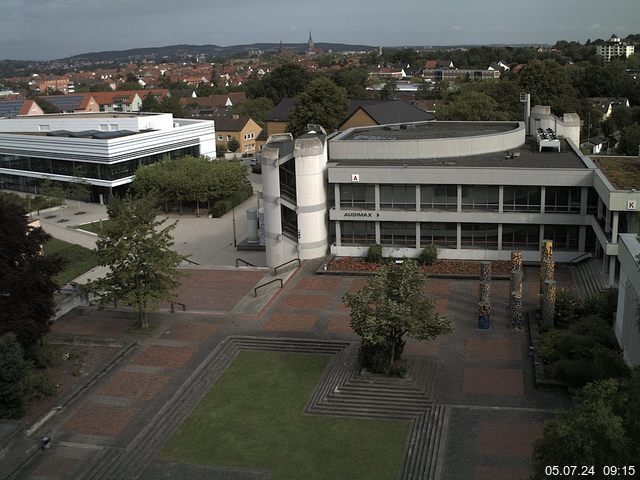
column 280, row 137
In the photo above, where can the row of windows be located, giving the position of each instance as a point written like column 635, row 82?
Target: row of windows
column 473, row 235
column 99, row 171
column 474, row 198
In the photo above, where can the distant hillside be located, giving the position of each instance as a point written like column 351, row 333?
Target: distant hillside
column 182, row 51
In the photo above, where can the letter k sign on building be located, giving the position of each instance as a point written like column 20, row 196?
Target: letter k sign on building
column 355, row 177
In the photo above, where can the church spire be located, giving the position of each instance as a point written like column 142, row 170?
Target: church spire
column 310, row 44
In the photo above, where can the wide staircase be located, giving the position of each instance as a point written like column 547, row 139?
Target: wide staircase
column 588, row 277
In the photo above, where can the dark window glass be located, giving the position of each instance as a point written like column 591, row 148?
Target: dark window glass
column 439, row 197
column 480, row 197
column 398, row 233
column 357, row 196
column 520, row 237
column 288, row 180
column 398, row 196
column 358, row 233
column 443, row 235
column 521, row 199
column 289, row 220
column 565, row 237
column 480, row 236
column 562, row 200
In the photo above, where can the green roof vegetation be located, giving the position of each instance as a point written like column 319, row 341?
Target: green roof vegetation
column 622, row 172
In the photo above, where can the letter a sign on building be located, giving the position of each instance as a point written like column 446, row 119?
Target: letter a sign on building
column 355, row 177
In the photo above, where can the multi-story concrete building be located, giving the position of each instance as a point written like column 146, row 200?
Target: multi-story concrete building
column 477, row 190
column 614, row 48
column 102, row 148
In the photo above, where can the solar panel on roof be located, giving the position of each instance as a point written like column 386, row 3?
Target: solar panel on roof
column 66, row 102
column 10, row 108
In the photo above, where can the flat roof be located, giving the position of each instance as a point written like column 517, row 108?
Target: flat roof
column 529, row 157
column 622, row 172
column 90, row 115
column 428, row 130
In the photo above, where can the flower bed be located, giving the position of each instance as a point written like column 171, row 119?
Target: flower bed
column 441, row 267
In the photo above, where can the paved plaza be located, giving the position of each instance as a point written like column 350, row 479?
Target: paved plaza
column 484, row 382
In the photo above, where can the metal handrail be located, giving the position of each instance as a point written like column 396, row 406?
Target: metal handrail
column 244, row 261
column 191, row 261
column 173, row 310
column 255, row 290
column 581, row 257
column 275, row 270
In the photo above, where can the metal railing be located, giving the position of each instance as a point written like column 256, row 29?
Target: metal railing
column 173, row 309
column 275, row 270
column 581, row 257
column 249, row 264
column 191, row 261
column 255, row 290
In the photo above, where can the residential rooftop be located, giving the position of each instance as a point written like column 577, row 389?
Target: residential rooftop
column 622, row 172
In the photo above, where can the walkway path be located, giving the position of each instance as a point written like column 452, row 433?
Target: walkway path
column 486, row 410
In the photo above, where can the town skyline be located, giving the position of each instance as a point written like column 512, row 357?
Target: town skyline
column 47, row 29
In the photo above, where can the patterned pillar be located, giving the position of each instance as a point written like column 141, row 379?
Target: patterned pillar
column 516, row 310
column 484, row 316
column 546, row 255
column 547, row 272
column 484, row 292
column 516, row 260
column 549, row 303
column 485, row 271
column 516, row 283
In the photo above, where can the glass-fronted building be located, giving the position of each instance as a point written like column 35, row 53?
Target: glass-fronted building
column 102, row 149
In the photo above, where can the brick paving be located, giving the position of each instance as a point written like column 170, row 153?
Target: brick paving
column 132, row 385
column 190, row 331
column 293, row 322
column 103, row 420
column 507, row 439
column 493, row 381
column 216, row 290
column 164, row 357
column 486, row 379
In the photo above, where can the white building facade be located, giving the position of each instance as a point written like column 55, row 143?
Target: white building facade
column 102, row 148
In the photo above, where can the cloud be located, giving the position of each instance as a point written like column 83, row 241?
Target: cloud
column 456, row 27
column 596, row 26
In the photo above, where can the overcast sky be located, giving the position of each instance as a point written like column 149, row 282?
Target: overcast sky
column 48, row 29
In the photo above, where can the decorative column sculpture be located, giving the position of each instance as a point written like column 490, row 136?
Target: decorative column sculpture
column 516, row 310
column 484, row 316
column 549, row 303
column 484, row 306
column 516, row 260
column 546, row 254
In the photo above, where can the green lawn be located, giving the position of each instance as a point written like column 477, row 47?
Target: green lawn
column 77, row 259
column 254, row 418
column 94, row 226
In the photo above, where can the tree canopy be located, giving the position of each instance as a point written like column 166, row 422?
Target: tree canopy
column 285, row 81
column 391, row 305
column 26, row 282
column 190, row 179
column 257, row 109
column 604, row 429
column 322, row 103
column 136, row 248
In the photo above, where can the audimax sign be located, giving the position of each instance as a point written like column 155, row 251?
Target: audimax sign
column 352, row 214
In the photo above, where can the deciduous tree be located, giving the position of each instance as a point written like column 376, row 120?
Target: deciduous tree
column 322, row 103
column 13, row 369
column 26, row 278
column 390, row 306
column 136, row 247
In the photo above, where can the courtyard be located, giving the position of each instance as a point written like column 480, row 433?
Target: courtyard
column 213, row 393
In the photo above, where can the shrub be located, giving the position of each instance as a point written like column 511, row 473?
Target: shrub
column 429, row 255
column 566, row 307
column 39, row 384
column 12, row 372
column 609, row 364
column 596, row 328
column 40, row 353
column 575, row 373
column 572, row 346
column 548, row 345
column 603, row 304
column 374, row 254
column 220, row 208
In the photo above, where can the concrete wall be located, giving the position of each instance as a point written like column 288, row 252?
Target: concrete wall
column 311, row 192
column 626, row 324
column 430, row 147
